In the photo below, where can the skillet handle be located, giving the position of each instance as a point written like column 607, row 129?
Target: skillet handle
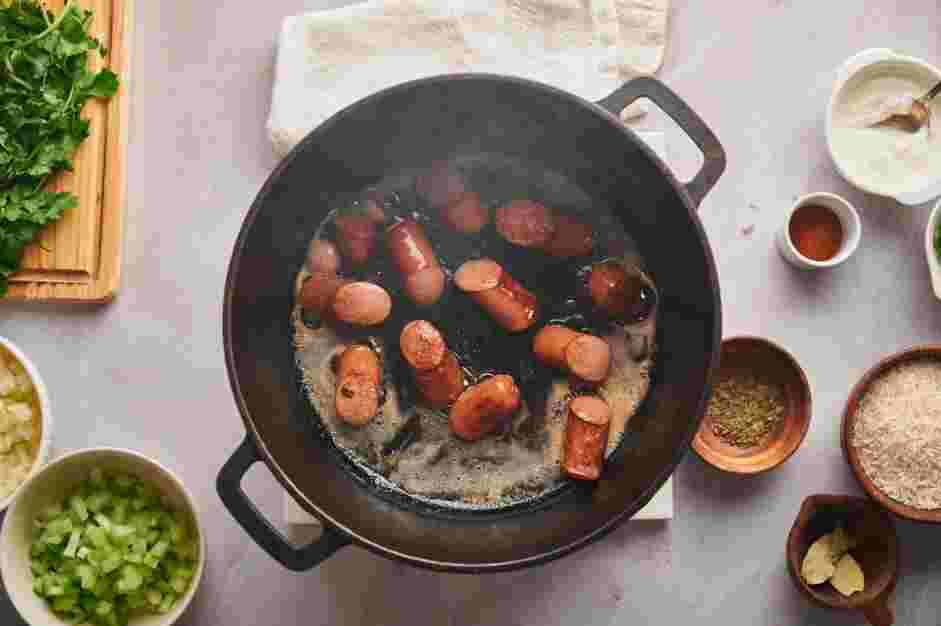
column 229, row 487
column 693, row 125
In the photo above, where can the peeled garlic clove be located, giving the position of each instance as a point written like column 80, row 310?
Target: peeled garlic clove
column 817, row 567
column 848, row 577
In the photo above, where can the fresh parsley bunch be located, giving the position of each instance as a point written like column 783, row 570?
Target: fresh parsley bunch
column 44, row 82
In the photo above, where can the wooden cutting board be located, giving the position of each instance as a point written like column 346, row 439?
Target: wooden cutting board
column 78, row 259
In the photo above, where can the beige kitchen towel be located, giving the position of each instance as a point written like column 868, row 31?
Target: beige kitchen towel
column 330, row 59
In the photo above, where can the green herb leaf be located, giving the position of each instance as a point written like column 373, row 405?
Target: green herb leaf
column 44, row 83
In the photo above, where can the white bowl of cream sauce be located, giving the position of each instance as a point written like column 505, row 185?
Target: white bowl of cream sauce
column 882, row 159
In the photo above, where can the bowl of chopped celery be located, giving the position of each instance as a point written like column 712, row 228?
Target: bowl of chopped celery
column 25, row 421
column 102, row 536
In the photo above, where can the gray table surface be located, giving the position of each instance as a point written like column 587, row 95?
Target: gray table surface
column 147, row 372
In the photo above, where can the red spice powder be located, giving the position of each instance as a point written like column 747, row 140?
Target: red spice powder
column 816, row 232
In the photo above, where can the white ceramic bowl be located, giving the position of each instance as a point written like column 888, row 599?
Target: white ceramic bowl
column 934, row 264
column 852, row 67
column 50, row 486
column 852, row 231
column 45, row 417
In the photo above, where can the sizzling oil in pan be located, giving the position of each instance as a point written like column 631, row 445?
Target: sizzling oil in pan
column 408, row 446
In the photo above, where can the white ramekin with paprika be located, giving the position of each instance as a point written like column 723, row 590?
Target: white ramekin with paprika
column 821, row 230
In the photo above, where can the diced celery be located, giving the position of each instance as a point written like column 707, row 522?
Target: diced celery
column 78, row 506
column 97, row 536
column 113, row 549
column 98, row 500
column 103, row 521
column 104, row 607
column 121, row 532
column 64, row 603
column 111, row 563
column 88, row 576
column 167, row 603
column 74, row 538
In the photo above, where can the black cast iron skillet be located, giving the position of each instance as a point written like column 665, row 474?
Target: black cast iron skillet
column 413, row 125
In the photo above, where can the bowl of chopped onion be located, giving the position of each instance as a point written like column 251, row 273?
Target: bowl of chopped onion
column 102, row 536
column 25, row 421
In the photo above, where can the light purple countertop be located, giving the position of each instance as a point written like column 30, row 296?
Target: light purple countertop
column 147, row 371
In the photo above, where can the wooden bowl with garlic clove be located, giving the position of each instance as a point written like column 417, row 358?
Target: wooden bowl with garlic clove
column 876, row 551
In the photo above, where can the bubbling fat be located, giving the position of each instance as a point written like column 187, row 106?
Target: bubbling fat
column 408, row 446
column 521, row 463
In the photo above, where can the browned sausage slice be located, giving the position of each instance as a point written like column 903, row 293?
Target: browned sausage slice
column 620, row 294
column 356, row 232
column 318, row 291
column 570, row 238
column 359, row 360
column 442, row 385
column 510, row 304
column 410, row 249
column 478, row 275
column 479, row 410
column 422, row 345
column 362, row 304
column 466, row 215
column 525, row 223
column 586, row 437
column 441, row 186
column 358, row 380
column 589, row 358
column 550, row 343
column 323, row 257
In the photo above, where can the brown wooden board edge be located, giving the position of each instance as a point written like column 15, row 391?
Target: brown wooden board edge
column 103, row 286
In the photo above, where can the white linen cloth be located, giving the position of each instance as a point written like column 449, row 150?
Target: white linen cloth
column 327, row 60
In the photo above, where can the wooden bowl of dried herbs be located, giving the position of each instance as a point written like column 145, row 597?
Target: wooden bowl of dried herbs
column 759, row 411
column 891, row 433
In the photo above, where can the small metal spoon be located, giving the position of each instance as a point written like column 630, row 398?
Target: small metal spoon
column 920, row 114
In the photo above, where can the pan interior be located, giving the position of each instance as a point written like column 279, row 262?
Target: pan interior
column 408, row 448
column 410, row 126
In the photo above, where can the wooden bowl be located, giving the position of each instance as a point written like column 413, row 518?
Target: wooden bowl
column 876, row 552
column 849, row 421
column 768, row 360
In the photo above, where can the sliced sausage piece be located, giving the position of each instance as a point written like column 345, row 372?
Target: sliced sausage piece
column 570, row 238
column 441, row 186
column 585, row 356
column 478, row 275
column 620, row 294
column 510, row 304
column 525, row 223
column 479, row 410
column 323, row 257
column 374, row 210
column 550, row 343
column 423, row 278
column 356, row 232
column 361, row 304
column 589, row 358
column 422, row 345
column 586, row 437
column 441, row 385
column 318, row 291
column 358, row 385
column 466, row 215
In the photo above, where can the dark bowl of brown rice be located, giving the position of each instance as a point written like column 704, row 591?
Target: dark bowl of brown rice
column 891, row 433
